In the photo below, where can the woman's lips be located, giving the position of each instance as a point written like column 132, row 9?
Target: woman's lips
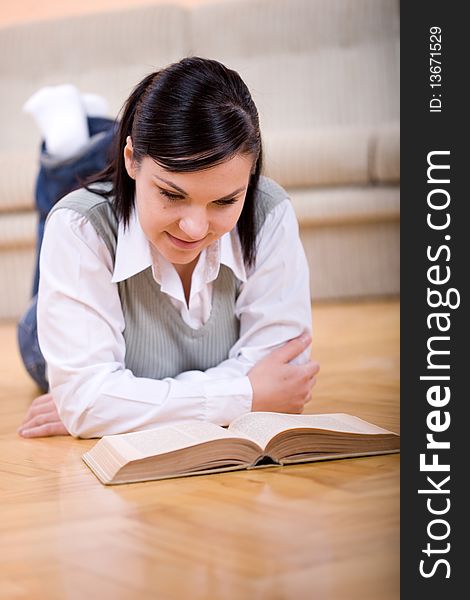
column 182, row 244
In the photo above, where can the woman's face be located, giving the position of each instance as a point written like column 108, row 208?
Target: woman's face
column 183, row 213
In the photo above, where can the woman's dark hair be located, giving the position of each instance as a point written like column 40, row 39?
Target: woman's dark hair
column 190, row 116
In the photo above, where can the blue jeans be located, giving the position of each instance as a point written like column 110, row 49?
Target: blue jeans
column 56, row 178
column 31, row 354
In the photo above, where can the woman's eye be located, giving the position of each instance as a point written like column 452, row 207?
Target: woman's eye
column 225, row 202
column 169, row 195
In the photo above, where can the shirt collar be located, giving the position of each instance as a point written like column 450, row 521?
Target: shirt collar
column 133, row 255
column 231, row 254
column 132, row 250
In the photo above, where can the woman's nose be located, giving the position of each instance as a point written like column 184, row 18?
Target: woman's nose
column 194, row 225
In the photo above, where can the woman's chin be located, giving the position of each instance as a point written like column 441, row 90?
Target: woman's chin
column 180, row 257
column 176, row 254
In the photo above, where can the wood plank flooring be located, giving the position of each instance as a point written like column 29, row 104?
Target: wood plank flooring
column 327, row 531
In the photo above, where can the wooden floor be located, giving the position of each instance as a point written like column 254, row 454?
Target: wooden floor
column 325, row 531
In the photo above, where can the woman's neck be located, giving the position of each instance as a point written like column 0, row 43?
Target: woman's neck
column 185, row 273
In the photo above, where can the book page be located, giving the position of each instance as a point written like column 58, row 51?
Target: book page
column 262, row 426
column 160, row 440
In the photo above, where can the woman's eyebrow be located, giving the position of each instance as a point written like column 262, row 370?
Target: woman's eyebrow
column 173, row 185
column 232, row 195
column 181, row 191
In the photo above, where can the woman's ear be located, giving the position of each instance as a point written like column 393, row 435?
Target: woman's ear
column 129, row 157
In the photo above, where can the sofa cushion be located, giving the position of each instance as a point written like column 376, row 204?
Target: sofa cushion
column 18, row 230
column 90, row 51
column 152, row 34
column 351, row 240
column 385, row 154
column 322, row 207
column 333, row 86
column 19, row 171
column 316, row 157
column 266, row 27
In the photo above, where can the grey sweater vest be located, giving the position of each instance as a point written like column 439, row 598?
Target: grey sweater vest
column 158, row 342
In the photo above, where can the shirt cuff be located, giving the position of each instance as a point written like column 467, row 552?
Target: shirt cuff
column 227, row 399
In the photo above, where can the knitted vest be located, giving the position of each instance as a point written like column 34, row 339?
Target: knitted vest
column 159, row 343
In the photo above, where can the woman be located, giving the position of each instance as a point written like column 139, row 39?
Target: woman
column 174, row 285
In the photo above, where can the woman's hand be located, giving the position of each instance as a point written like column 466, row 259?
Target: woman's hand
column 279, row 386
column 42, row 419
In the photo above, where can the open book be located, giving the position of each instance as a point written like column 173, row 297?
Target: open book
column 256, row 439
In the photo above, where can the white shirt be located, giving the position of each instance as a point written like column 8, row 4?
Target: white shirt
column 81, row 323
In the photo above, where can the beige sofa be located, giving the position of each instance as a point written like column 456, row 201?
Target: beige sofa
column 325, row 77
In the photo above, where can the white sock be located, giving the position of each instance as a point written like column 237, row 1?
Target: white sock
column 60, row 115
column 95, row 106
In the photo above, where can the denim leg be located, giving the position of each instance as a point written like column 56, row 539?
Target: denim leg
column 56, row 178
column 29, row 346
